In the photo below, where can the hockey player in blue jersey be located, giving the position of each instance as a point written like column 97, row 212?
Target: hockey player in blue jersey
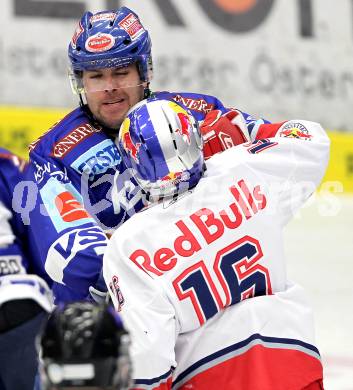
column 24, row 297
column 83, row 190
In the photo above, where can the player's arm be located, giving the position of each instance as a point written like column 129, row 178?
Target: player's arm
column 148, row 316
column 69, row 241
column 291, row 158
column 221, row 127
column 12, row 258
column 24, row 294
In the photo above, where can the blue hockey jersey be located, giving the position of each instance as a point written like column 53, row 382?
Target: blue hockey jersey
column 84, row 192
column 14, row 258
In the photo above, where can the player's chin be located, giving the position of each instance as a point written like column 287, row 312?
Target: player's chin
column 111, row 123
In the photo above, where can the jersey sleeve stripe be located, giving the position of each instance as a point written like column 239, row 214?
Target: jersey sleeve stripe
column 162, row 382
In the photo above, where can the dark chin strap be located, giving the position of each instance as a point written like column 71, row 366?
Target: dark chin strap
column 147, row 92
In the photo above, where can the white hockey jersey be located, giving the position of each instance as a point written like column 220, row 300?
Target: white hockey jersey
column 201, row 282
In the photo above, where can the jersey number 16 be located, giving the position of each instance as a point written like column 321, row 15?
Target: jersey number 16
column 238, row 272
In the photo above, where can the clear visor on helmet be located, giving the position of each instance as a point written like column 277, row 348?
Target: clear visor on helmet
column 108, row 75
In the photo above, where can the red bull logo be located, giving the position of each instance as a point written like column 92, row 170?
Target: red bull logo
column 295, row 130
column 172, row 176
column 184, row 130
column 128, row 144
column 185, row 125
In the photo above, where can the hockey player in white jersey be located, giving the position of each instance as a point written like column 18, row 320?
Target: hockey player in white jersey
column 199, row 276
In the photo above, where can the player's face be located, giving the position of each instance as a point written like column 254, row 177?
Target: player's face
column 111, row 92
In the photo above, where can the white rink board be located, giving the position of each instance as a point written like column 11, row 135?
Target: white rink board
column 296, row 61
column 319, row 252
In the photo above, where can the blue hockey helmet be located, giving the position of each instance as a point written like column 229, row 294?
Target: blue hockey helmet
column 109, row 39
column 84, row 345
column 161, row 143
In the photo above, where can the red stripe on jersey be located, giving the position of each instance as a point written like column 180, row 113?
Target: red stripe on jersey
column 260, row 368
column 268, row 130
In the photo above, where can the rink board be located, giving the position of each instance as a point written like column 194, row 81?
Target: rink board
column 21, row 126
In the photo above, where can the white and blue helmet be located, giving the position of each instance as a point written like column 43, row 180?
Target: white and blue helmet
column 161, row 143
